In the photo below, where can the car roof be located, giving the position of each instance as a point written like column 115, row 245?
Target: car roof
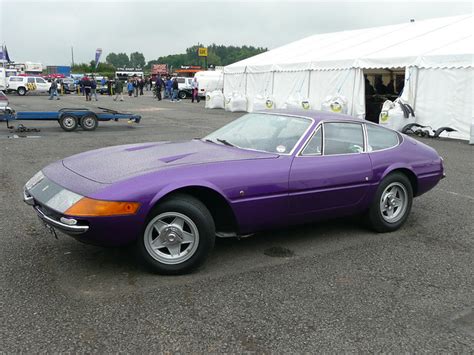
column 316, row 115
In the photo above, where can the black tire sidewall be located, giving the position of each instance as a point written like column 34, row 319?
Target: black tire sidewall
column 67, row 129
column 200, row 215
column 89, row 128
column 375, row 219
column 21, row 91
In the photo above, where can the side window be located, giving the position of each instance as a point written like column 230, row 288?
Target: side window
column 380, row 138
column 343, row 138
column 31, row 80
column 314, row 146
column 40, row 80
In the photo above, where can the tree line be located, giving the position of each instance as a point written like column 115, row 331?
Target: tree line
column 217, row 55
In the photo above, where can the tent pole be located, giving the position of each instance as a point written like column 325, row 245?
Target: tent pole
column 273, row 82
column 309, row 82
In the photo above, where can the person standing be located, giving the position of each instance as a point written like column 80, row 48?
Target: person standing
column 53, row 91
column 175, row 91
column 87, row 87
column 118, row 89
column 93, row 89
column 141, row 84
column 169, row 88
column 135, row 86
column 195, row 90
column 130, row 87
column 159, row 86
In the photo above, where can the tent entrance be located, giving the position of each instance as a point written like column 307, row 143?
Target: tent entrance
column 381, row 85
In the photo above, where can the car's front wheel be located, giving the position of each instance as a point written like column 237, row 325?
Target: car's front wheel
column 178, row 236
column 392, row 203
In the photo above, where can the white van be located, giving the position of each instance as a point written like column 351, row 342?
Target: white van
column 209, row 81
column 4, row 74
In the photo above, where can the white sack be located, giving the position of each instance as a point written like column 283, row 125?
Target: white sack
column 214, row 99
column 260, row 103
column 236, row 103
column 392, row 116
column 335, row 103
column 297, row 101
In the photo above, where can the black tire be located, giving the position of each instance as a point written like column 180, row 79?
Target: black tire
column 197, row 212
column 89, row 122
column 68, row 122
column 376, row 218
column 182, row 95
column 21, row 91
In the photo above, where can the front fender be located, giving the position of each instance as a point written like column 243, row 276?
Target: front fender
column 166, row 190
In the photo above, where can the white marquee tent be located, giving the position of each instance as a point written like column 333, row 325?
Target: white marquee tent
column 436, row 54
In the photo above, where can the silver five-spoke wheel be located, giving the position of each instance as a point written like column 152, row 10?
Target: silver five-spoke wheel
column 171, row 238
column 393, row 202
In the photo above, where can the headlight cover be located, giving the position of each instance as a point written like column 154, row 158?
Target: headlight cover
column 34, row 180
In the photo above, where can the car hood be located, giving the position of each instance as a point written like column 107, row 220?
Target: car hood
column 112, row 164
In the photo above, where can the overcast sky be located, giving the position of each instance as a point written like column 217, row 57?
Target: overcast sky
column 44, row 31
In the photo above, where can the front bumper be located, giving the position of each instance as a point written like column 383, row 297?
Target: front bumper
column 65, row 224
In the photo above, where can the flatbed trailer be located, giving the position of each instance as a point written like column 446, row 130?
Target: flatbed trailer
column 68, row 118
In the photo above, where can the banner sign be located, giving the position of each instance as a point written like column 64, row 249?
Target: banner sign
column 98, row 53
column 159, row 69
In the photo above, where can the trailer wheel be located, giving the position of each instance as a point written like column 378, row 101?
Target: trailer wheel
column 89, row 122
column 68, row 122
column 21, row 91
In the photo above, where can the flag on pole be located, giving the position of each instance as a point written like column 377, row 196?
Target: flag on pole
column 98, row 53
column 4, row 54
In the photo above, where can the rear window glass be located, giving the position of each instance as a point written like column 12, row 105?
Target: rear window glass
column 380, row 138
column 343, row 138
column 31, row 80
column 181, row 80
column 15, row 79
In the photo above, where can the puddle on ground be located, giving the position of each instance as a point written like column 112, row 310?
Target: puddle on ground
column 15, row 136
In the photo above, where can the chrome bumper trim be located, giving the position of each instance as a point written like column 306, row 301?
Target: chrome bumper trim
column 60, row 225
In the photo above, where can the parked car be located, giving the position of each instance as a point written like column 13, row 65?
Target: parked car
column 210, row 80
column 68, row 85
column 184, row 87
column 262, row 171
column 24, row 84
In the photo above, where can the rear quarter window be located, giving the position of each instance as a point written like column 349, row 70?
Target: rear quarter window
column 379, row 138
column 15, row 79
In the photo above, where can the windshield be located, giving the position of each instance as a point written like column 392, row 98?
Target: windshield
column 264, row 132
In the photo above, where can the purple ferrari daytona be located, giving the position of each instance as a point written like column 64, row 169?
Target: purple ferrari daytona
column 262, row 171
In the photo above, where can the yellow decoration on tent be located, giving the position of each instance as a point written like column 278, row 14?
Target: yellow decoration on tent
column 269, row 104
column 305, row 104
column 384, row 116
column 336, row 107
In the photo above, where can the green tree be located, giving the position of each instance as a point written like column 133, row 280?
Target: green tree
column 118, row 60
column 137, row 60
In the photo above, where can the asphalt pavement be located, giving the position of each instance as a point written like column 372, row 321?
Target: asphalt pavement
column 330, row 287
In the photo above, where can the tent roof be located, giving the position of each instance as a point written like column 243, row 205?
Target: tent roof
column 445, row 42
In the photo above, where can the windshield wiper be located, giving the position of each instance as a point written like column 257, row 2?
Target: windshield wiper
column 223, row 141
column 209, row 140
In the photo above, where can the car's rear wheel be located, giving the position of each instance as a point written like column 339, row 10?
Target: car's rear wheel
column 89, row 122
column 178, row 236
column 21, row 91
column 68, row 122
column 182, row 95
column 392, row 203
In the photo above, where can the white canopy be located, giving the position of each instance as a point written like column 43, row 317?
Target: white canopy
column 437, row 56
column 438, row 43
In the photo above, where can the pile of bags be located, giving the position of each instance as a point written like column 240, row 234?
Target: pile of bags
column 396, row 114
column 335, row 103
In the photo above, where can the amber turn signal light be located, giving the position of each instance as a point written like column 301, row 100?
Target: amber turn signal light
column 87, row 207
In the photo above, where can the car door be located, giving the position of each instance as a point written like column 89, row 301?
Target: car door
column 42, row 85
column 332, row 172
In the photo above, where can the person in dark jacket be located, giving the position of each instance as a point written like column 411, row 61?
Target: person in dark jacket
column 118, row 89
column 175, row 88
column 93, row 89
column 159, row 86
column 86, row 82
column 141, row 85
